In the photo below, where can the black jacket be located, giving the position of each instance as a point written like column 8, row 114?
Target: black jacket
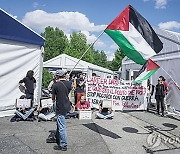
column 160, row 90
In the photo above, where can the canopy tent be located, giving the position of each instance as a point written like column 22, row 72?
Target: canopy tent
column 168, row 59
column 20, row 50
column 67, row 63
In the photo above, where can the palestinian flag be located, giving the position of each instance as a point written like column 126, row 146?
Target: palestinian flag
column 134, row 35
column 148, row 69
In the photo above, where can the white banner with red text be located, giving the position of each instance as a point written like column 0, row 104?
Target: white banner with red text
column 123, row 95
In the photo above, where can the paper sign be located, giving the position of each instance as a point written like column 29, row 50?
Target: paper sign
column 85, row 114
column 46, row 103
column 107, row 104
column 23, row 103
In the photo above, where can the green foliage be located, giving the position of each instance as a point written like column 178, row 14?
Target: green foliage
column 55, row 44
column 115, row 64
column 47, row 77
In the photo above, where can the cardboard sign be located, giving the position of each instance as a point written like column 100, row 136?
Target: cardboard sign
column 46, row 103
column 107, row 104
column 23, row 103
column 85, row 114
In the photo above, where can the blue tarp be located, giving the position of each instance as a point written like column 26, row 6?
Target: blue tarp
column 11, row 29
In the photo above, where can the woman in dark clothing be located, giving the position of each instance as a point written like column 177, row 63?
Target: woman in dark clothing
column 29, row 84
column 159, row 96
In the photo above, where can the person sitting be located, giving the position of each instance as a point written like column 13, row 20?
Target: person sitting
column 72, row 112
column 83, row 104
column 24, row 113
column 104, row 113
column 80, row 87
column 46, row 113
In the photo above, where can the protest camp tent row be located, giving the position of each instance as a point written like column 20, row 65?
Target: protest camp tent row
column 67, row 63
column 20, row 50
column 168, row 59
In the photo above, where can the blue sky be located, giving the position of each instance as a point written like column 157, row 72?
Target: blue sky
column 91, row 16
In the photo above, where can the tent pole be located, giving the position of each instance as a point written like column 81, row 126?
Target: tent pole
column 40, row 74
column 86, row 52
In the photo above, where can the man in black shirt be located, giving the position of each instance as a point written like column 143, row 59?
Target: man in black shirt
column 60, row 92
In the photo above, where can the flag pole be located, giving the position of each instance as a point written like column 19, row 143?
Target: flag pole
column 86, row 51
column 169, row 75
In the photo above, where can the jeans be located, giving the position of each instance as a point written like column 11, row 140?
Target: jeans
column 46, row 117
column 160, row 102
column 24, row 116
column 61, row 131
column 30, row 96
column 105, row 115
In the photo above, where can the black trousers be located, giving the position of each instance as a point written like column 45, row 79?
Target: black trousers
column 160, row 102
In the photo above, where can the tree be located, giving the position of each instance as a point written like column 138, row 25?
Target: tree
column 78, row 45
column 115, row 64
column 102, row 59
column 47, row 77
column 55, row 43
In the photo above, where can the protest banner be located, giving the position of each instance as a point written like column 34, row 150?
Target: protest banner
column 124, row 95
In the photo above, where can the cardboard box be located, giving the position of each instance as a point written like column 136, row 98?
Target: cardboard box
column 85, row 114
column 23, row 103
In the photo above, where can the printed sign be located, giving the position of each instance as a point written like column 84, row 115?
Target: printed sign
column 124, row 95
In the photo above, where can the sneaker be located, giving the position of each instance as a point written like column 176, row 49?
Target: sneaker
column 60, row 148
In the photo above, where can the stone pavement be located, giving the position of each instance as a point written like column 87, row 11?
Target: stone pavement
column 127, row 133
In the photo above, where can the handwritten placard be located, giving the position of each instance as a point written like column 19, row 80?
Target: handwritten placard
column 46, row 103
column 23, row 103
column 122, row 95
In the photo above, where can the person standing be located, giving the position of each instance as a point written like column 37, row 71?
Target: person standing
column 51, row 83
column 29, row 85
column 159, row 96
column 80, row 86
column 150, row 92
column 60, row 92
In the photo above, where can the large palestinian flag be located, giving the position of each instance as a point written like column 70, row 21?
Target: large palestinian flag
column 134, row 35
column 148, row 69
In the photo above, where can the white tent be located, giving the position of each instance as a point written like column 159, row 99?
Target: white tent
column 20, row 50
column 168, row 59
column 66, row 62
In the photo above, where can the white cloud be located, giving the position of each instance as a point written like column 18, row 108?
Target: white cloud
column 35, row 4
column 92, row 38
column 110, row 55
column 169, row 25
column 114, row 46
column 66, row 21
column 160, row 4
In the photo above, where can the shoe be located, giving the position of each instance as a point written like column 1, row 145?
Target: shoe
column 60, row 148
column 51, row 140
